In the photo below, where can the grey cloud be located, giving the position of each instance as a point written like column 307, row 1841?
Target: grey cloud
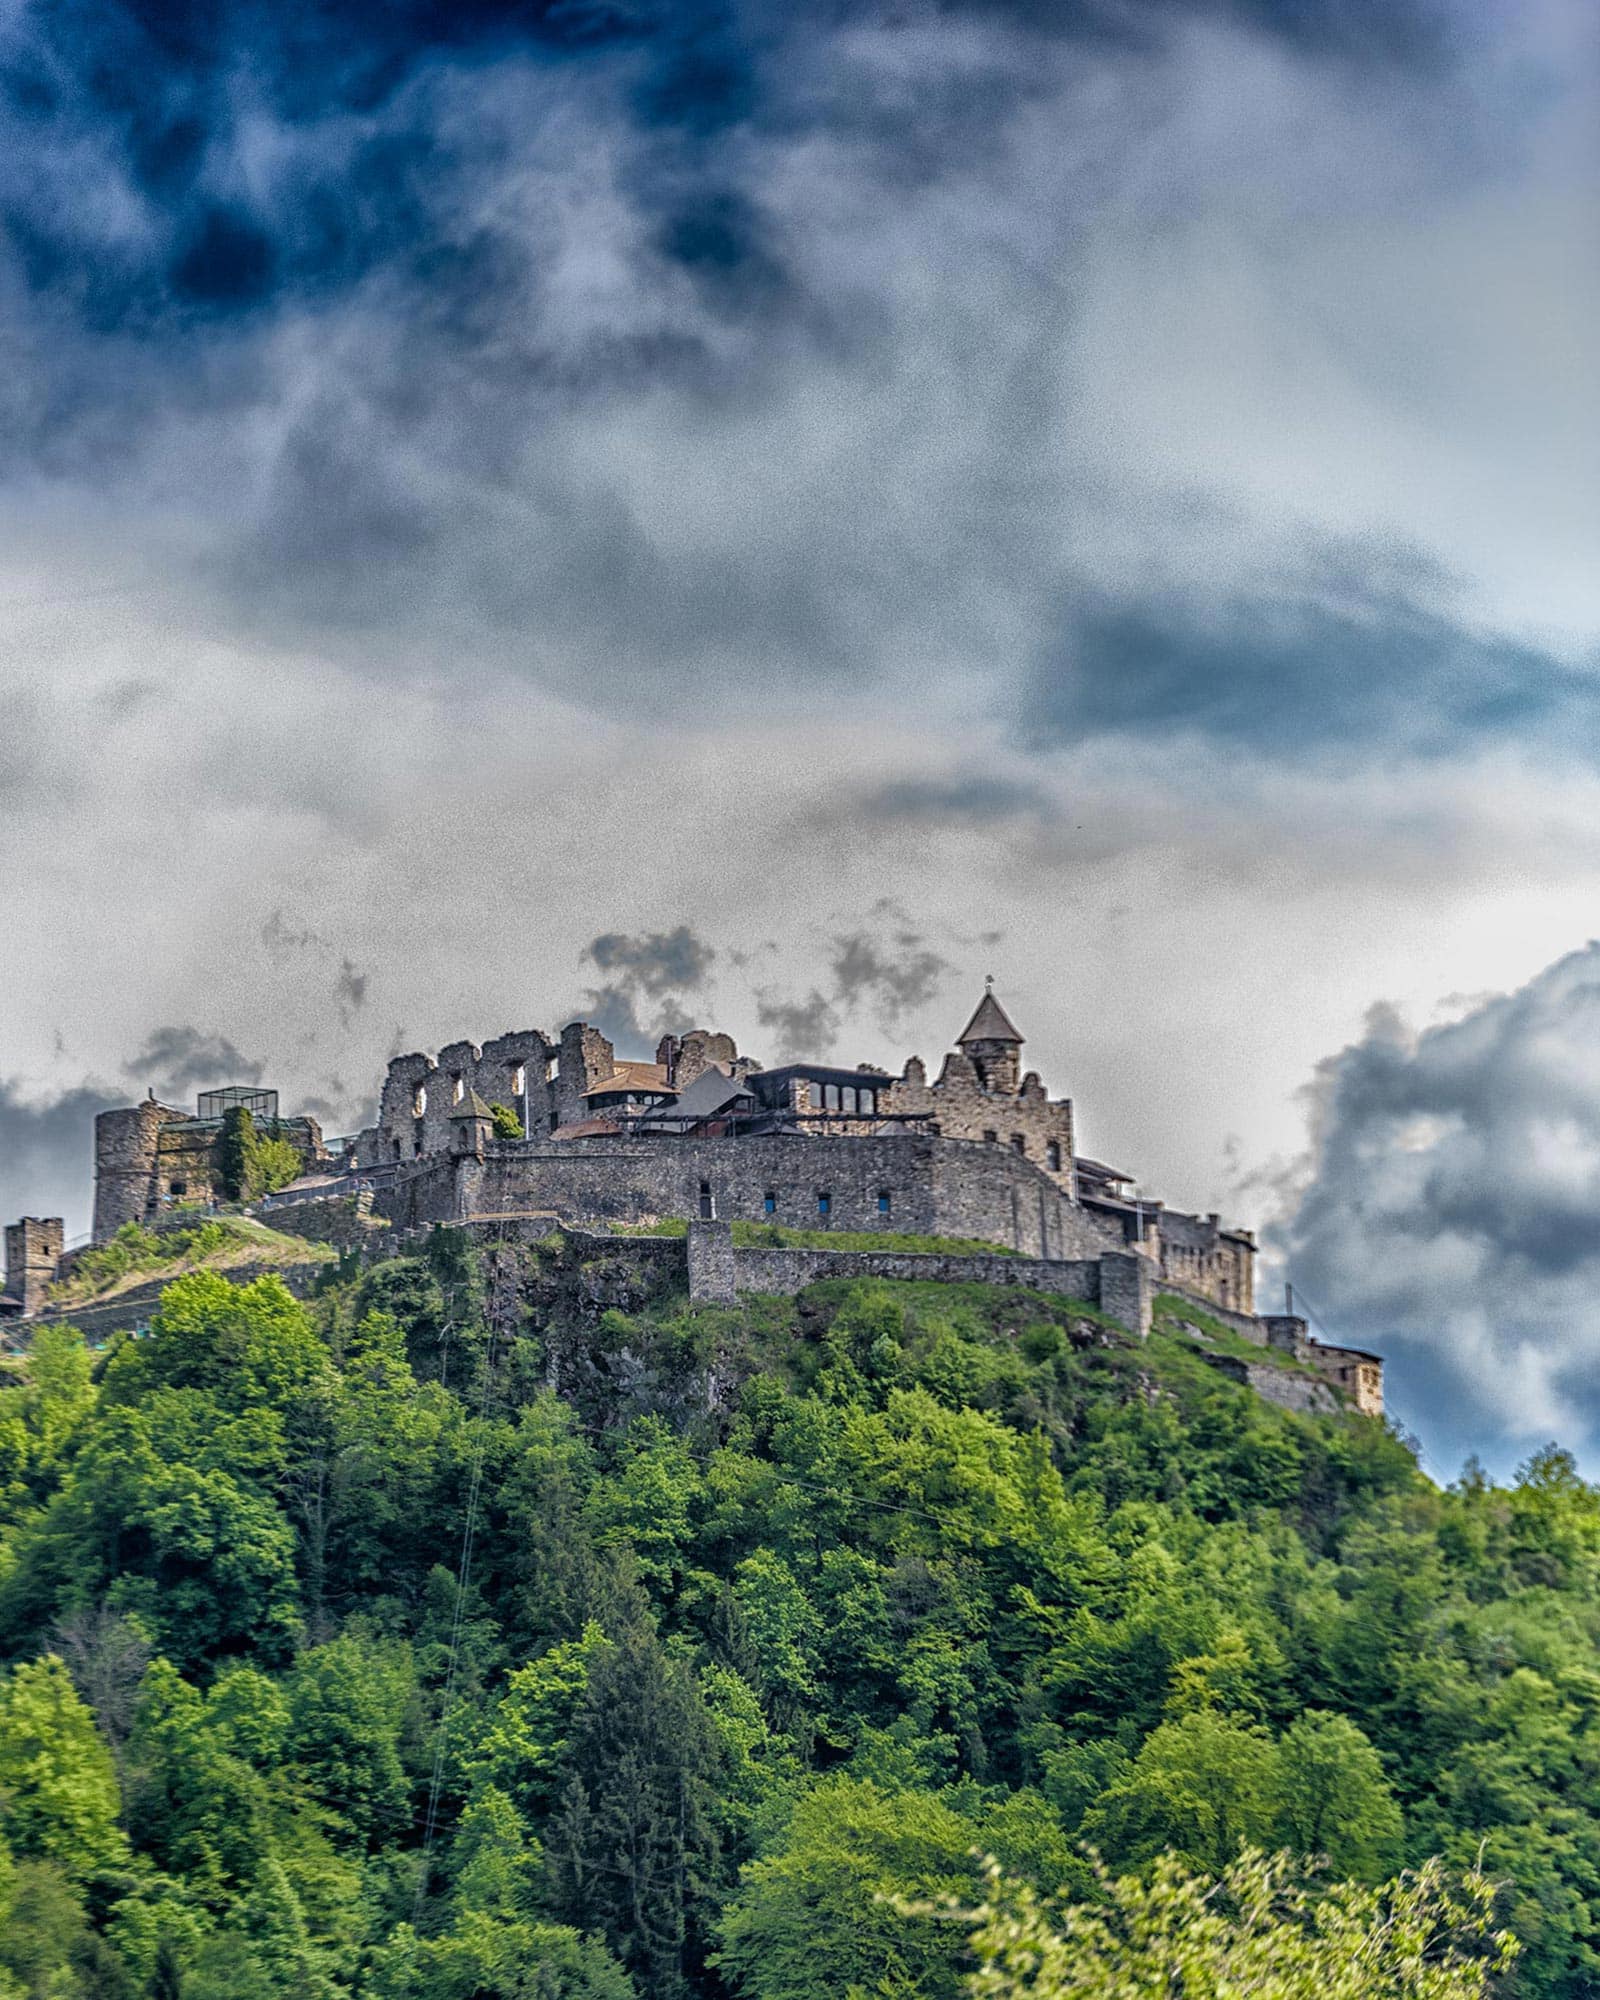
column 968, row 799
column 658, row 962
column 651, row 975
column 178, row 1059
column 47, row 1152
column 891, row 974
column 800, row 1028
column 1302, row 671
column 1452, row 1211
column 350, row 991
column 282, row 939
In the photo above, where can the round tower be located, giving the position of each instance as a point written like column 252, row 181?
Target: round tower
column 125, row 1145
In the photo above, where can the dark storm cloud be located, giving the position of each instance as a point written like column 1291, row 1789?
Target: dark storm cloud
column 178, row 1059
column 1302, row 676
column 1453, row 1212
column 47, row 1152
column 651, row 975
column 478, row 285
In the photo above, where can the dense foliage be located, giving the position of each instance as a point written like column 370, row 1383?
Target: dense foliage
column 486, row 1627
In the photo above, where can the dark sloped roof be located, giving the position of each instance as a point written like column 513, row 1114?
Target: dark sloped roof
column 472, row 1106
column 991, row 1023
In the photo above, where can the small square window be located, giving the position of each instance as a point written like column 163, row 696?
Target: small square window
column 769, row 1203
column 885, row 1201
column 824, row 1203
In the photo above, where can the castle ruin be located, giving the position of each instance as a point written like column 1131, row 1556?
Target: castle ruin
column 530, row 1124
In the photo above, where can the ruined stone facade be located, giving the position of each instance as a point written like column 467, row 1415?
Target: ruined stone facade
column 707, row 1135
column 151, row 1158
column 33, row 1251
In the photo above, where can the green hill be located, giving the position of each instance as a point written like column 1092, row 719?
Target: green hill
column 484, row 1627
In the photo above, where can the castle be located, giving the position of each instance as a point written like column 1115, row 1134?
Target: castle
column 528, row 1124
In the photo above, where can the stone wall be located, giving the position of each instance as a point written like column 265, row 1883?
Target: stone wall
column 345, row 1220
column 33, row 1250
column 931, row 1187
column 420, row 1092
column 1287, row 1387
column 125, row 1144
column 1200, row 1256
column 1024, row 1120
column 150, row 1157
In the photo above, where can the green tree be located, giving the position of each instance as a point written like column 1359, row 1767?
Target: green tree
column 1203, row 1787
column 507, row 1125
column 58, row 1786
column 1257, row 1930
column 824, row 1912
column 272, row 1164
column 1333, row 1798
column 236, row 1147
column 633, row 1846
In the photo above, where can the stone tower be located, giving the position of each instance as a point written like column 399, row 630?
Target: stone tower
column 471, row 1127
column 33, row 1249
column 126, row 1144
column 993, row 1046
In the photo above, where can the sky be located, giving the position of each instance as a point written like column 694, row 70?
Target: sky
column 762, row 515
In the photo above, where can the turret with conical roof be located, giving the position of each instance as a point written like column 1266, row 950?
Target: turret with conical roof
column 471, row 1124
column 992, row 1044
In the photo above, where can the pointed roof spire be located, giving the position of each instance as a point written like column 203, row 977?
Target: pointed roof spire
column 473, row 1106
column 990, row 1023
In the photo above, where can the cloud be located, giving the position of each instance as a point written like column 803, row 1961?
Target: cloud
column 350, row 991
column 651, row 975
column 47, row 1153
column 888, row 973
column 1299, row 675
column 175, row 1060
column 892, row 972
column 801, row 1029
column 1450, row 1212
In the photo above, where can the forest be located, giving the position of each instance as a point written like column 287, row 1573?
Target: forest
column 483, row 1626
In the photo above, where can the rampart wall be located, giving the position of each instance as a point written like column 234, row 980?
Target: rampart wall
column 902, row 1183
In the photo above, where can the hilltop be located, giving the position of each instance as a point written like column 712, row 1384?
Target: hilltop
column 498, row 1620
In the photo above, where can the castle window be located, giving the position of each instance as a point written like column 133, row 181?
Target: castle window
column 419, row 1101
column 519, row 1080
column 397, row 1149
column 769, row 1203
column 180, row 1187
column 830, row 1097
column 885, row 1201
column 458, row 1089
column 991, row 1137
column 848, row 1098
column 1019, row 1143
column 824, row 1203
column 708, row 1204
column 1052, row 1154
column 869, row 1103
